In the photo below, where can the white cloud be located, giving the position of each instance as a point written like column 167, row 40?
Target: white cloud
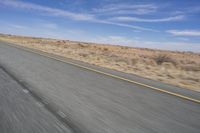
column 64, row 13
column 52, row 11
column 126, row 25
column 135, row 19
column 184, row 32
column 183, row 39
column 170, row 45
column 114, row 40
column 139, row 42
column 18, row 26
column 50, row 26
column 126, row 9
column 76, row 32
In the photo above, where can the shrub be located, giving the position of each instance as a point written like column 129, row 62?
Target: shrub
column 81, row 45
column 83, row 54
column 190, row 68
column 105, row 49
column 163, row 58
column 133, row 61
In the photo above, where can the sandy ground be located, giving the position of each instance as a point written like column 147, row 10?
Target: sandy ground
column 173, row 67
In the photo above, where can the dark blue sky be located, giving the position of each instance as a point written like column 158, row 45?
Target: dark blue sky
column 163, row 24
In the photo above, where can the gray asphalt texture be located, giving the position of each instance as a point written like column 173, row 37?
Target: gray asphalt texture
column 21, row 113
column 93, row 103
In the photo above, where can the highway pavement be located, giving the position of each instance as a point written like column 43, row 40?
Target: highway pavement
column 89, row 102
column 21, row 113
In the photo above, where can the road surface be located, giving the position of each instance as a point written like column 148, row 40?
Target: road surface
column 21, row 113
column 89, row 102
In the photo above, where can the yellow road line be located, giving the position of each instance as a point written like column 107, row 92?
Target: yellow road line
column 110, row 75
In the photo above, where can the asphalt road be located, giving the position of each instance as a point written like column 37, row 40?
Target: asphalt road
column 90, row 102
column 21, row 113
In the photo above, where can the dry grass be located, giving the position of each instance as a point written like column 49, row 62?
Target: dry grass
column 178, row 68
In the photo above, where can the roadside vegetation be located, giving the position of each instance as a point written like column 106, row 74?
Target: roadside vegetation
column 173, row 67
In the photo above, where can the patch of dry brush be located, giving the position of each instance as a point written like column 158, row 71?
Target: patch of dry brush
column 178, row 68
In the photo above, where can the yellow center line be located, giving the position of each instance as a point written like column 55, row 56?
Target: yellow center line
column 108, row 74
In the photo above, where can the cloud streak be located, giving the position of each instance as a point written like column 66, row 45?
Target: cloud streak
column 64, row 13
column 134, row 42
column 113, row 40
column 184, row 32
column 127, row 25
column 139, row 9
column 136, row 19
column 52, row 11
column 18, row 26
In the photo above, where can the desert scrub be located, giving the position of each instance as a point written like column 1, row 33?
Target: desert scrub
column 161, row 58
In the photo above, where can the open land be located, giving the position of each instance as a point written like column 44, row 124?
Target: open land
column 177, row 68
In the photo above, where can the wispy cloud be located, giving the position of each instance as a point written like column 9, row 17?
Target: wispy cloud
column 183, row 39
column 136, row 19
column 139, row 42
column 50, row 26
column 126, row 9
column 64, row 13
column 126, row 25
column 114, row 40
column 171, row 45
column 52, row 11
column 189, row 10
column 184, row 32
column 18, row 26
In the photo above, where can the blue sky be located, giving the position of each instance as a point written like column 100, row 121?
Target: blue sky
column 162, row 24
